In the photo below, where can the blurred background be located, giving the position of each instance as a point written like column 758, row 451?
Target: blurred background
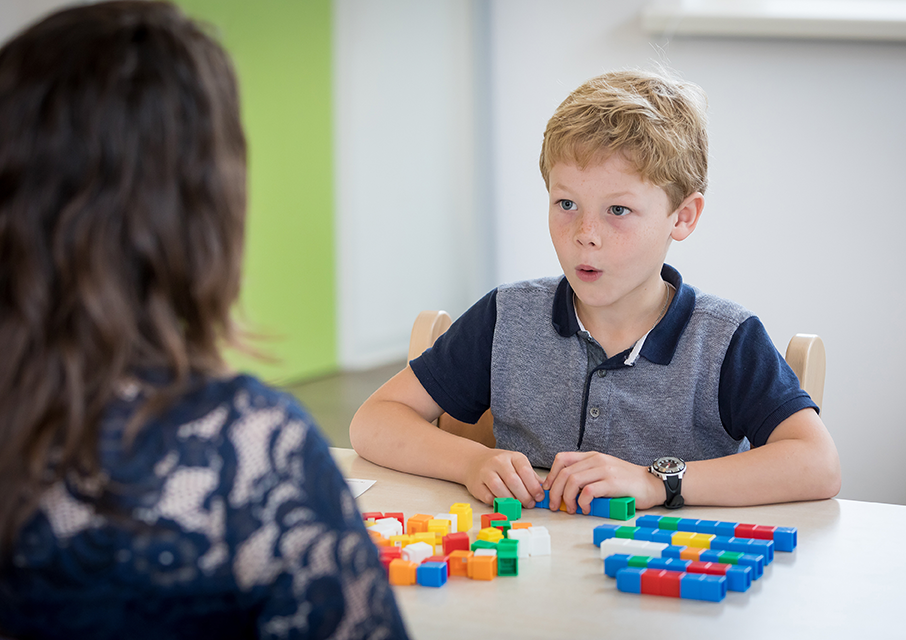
column 394, row 167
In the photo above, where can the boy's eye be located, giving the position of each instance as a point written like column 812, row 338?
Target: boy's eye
column 568, row 205
column 619, row 210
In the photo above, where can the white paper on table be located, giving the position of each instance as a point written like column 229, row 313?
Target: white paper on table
column 358, row 487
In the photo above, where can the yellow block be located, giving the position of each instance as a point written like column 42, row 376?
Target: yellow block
column 689, row 539
column 463, row 513
column 491, row 534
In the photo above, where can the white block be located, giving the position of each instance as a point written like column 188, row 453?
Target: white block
column 417, row 552
column 632, row 547
column 541, row 541
column 395, row 524
column 524, row 537
column 486, row 552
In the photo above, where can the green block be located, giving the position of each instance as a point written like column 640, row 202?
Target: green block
column 626, row 532
column 503, row 525
column 483, row 544
column 622, row 508
column 510, row 507
column 507, row 566
column 639, row 561
column 730, row 557
column 669, row 524
column 507, row 548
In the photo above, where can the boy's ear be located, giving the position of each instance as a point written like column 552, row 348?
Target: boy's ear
column 687, row 216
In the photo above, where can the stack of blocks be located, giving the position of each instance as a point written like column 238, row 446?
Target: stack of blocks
column 687, row 558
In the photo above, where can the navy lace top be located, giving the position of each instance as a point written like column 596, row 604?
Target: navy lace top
column 227, row 518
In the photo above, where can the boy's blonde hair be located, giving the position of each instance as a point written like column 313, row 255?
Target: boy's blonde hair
column 658, row 123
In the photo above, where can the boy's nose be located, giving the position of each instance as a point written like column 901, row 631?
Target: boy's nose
column 588, row 233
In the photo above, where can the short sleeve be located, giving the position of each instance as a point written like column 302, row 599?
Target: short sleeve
column 758, row 390
column 456, row 371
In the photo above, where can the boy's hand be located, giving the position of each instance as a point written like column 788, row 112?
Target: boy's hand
column 578, row 476
column 503, row 474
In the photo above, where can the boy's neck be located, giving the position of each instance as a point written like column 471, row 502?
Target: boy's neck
column 619, row 330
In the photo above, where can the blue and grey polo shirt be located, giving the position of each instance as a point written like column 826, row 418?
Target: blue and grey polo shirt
column 708, row 381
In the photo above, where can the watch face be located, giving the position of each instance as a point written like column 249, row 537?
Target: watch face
column 669, row 464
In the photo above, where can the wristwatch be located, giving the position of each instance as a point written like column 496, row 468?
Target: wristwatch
column 670, row 469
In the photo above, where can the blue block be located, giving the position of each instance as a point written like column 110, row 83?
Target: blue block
column 546, row 503
column 431, row 574
column 643, row 533
column 600, row 507
column 673, row 551
column 604, row 532
column 614, row 563
column 727, row 529
column 738, row 578
column 687, row 524
column 745, row 545
column 710, row 555
column 708, row 526
column 648, row 521
column 662, row 535
column 629, row 580
column 785, row 538
column 754, row 562
column 668, row 564
column 698, row 586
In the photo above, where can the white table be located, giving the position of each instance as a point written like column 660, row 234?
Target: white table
column 846, row 579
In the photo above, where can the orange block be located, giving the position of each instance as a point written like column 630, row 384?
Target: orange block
column 691, row 553
column 378, row 539
column 418, row 523
column 488, row 518
column 459, row 562
column 482, row 567
column 402, row 572
column 519, row 524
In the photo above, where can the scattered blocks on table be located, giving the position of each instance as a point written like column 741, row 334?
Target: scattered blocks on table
column 510, row 507
column 432, row 574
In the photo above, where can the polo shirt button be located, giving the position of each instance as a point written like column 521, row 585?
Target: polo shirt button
column 602, row 373
column 595, row 412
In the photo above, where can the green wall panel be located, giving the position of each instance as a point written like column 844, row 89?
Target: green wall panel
column 282, row 53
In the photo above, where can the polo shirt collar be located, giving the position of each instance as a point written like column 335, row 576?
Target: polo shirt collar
column 661, row 343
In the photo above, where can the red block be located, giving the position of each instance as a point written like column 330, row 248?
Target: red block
column 487, row 518
column 661, row 583
column 757, row 531
column 388, row 554
column 456, row 541
column 372, row 515
column 709, row 568
column 444, row 558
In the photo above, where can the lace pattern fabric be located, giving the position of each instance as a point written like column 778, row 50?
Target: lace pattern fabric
column 227, row 518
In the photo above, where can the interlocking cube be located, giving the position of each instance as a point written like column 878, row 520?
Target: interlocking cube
column 454, row 541
column 524, row 538
column 418, row 552
column 482, row 567
column 432, row 574
column 510, row 507
column 541, row 541
column 402, row 572
column 459, row 563
column 463, row 513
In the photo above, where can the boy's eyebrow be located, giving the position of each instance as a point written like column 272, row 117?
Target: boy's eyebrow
column 616, row 195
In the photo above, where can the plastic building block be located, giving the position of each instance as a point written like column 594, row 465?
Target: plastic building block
column 603, row 532
column 502, row 525
column 784, row 538
column 401, row 541
column 629, row 580
column 672, row 583
column 439, row 527
column 745, row 545
column 378, row 539
column 703, row 587
column 631, row 547
column 389, row 554
column 398, row 515
column 390, row 524
column 431, row 574
column 482, row 567
column 372, row 515
column 541, row 541
column 485, row 552
column 417, row 552
column 657, row 582
column 487, row 518
column 521, row 525
column 402, row 572
column 625, row 532
column 524, row 538
column 600, row 507
column 459, row 563
column 452, row 518
column 546, row 502
column 463, row 513
column 443, row 559
column 454, row 541
column 483, row 544
column 491, row 534
column 621, row 508
column 418, row 523
column 510, row 507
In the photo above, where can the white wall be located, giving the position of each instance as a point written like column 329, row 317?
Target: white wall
column 804, row 216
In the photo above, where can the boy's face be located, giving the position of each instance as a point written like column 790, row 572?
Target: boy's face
column 611, row 231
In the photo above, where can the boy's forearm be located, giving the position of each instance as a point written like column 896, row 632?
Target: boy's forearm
column 394, row 435
column 804, row 466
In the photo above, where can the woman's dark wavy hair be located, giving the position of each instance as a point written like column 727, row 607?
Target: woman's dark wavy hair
column 122, row 212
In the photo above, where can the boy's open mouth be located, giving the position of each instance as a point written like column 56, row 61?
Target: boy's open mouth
column 587, row 273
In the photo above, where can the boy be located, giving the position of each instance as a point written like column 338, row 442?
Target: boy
column 616, row 373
